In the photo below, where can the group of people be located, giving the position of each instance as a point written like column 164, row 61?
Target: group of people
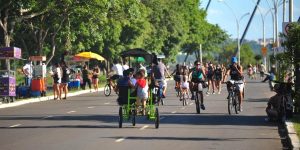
column 61, row 75
column 253, row 70
column 188, row 78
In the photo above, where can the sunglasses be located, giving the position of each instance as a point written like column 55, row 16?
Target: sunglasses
column 198, row 64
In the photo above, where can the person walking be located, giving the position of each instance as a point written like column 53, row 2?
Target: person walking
column 65, row 79
column 218, row 76
column 56, row 75
column 85, row 78
column 210, row 79
column 95, row 78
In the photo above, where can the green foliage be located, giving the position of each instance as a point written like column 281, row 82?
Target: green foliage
column 108, row 27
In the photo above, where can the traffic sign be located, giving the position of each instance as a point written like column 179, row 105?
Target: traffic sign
column 264, row 51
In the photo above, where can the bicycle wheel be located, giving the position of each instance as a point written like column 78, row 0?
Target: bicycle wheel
column 107, row 90
column 183, row 100
column 197, row 103
column 120, row 117
column 236, row 104
column 156, row 118
column 230, row 105
column 133, row 117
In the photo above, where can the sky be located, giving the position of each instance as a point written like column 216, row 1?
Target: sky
column 219, row 13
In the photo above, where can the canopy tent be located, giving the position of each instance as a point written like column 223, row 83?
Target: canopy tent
column 137, row 52
column 90, row 55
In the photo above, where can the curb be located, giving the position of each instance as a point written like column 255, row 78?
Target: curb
column 47, row 98
column 292, row 135
column 42, row 99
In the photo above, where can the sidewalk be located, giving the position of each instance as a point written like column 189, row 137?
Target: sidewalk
column 41, row 99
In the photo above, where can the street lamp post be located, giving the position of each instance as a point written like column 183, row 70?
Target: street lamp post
column 238, row 29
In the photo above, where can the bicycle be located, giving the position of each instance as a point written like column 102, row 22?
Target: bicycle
column 198, row 89
column 284, row 90
column 233, row 100
column 158, row 93
column 184, row 96
column 108, row 86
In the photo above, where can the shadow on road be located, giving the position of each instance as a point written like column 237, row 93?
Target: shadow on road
column 190, row 138
column 251, row 100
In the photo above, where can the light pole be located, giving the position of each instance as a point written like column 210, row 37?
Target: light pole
column 238, row 28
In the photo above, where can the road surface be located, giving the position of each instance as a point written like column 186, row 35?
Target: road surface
column 90, row 122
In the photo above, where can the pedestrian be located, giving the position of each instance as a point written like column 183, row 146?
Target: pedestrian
column 56, row 75
column 262, row 71
column 250, row 71
column 85, row 78
column 210, row 74
column 218, row 73
column 65, row 79
column 254, row 71
column 95, row 78
column 27, row 71
column 125, row 66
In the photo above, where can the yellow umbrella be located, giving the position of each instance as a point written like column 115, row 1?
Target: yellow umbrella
column 90, row 55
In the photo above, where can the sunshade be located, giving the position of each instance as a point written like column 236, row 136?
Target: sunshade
column 137, row 52
column 140, row 59
column 90, row 55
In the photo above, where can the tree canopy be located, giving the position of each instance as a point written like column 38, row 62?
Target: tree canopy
column 107, row 27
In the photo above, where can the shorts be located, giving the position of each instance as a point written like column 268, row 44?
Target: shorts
column 240, row 86
column 115, row 77
column 262, row 74
column 177, row 78
column 185, row 85
column 196, row 80
column 218, row 78
column 162, row 81
column 209, row 77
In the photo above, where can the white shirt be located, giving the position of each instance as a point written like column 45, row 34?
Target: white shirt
column 28, row 69
column 185, row 84
column 125, row 67
column 118, row 69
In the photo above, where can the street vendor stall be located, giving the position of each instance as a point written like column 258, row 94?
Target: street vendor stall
column 38, row 83
column 7, row 76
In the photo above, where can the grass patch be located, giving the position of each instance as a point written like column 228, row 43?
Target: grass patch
column 296, row 122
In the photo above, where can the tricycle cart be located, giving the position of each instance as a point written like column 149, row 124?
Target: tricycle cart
column 7, row 76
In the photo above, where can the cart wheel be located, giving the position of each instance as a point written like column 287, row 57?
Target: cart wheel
column 12, row 99
column 133, row 117
column 120, row 117
column 156, row 118
column 107, row 90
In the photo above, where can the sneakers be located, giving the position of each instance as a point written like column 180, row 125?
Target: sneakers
column 219, row 92
column 207, row 93
column 213, row 93
column 241, row 108
column 202, row 107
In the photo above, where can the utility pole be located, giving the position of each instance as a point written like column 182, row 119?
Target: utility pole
column 291, row 10
column 283, row 11
column 200, row 52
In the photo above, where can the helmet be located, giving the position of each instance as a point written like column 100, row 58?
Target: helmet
column 234, row 60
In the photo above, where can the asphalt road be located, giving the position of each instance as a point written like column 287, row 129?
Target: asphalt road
column 90, row 122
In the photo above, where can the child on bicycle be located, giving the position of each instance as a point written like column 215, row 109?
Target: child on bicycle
column 185, row 87
column 142, row 90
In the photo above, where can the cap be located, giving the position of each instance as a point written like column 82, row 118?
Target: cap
column 234, row 60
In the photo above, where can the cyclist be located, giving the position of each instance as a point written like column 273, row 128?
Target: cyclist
column 117, row 70
column 218, row 77
column 198, row 75
column 177, row 75
column 158, row 72
column 236, row 73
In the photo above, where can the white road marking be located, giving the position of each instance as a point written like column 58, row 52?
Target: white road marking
column 120, row 140
column 191, row 104
column 182, row 108
column 16, row 125
column 69, row 112
column 144, row 127
column 106, row 103
column 161, row 118
column 173, row 112
column 91, row 107
column 47, row 117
